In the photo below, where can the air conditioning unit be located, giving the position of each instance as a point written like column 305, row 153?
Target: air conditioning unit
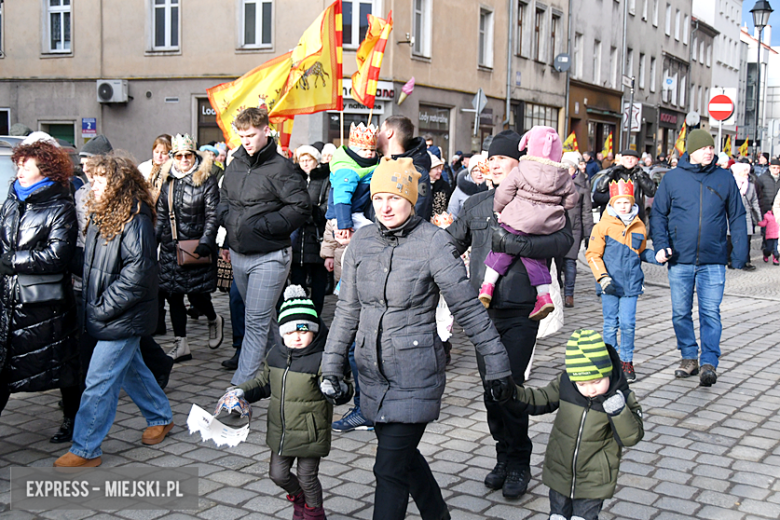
column 112, row 91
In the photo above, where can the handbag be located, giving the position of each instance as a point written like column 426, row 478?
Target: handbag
column 224, row 275
column 185, row 249
column 40, row 288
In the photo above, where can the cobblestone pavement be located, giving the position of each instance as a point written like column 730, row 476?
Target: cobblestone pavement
column 708, row 453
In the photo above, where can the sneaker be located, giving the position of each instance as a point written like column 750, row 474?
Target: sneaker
column 543, row 307
column 486, row 294
column 516, row 483
column 180, row 351
column 215, row 332
column 766, row 259
column 628, row 371
column 749, row 267
column 708, row 376
column 353, row 420
column 688, row 367
column 775, row 261
column 495, row 479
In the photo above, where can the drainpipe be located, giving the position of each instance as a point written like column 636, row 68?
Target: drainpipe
column 568, row 74
column 509, row 51
column 623, row 70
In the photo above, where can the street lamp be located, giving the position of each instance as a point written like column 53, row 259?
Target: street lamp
column 760, row 12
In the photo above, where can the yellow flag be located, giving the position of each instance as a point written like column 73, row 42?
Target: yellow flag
column 283, row 130
column 607, row 145
column 570, row 144
column 369, row 59
column 679, row 145
column 727, row 146
column 743, row 150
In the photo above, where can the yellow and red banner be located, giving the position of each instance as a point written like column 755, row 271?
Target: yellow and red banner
column 284, row 129
column 743, row 149
column 727, row 146
column 303, row 81
column 607, row 145
column 570, row 144
column 679, row 145
column 369, row 59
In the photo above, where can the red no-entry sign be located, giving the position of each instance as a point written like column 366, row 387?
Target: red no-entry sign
column 720, row 107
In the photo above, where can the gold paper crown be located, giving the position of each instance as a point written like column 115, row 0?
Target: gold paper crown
column 621, row 188
column 362, row 136
column 182, row 143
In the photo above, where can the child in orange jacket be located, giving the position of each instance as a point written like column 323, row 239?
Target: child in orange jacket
column 617, row 248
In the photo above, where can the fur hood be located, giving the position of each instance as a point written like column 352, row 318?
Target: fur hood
column 199, row 176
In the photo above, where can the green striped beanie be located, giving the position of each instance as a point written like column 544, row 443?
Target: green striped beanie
column 587, row 357
column 297, row 312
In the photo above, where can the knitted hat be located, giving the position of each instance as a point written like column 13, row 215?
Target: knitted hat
column 308, row 150
column 571, row 158
column 478, row 161
column 587, row 357
column 209, row 148
column 297, row 312
column 329, row 149
column 99, row 145
column 698, row 139
column 396, row 176
column 505, row 143
column 724, row 158
column 182, row 143
column 543, row 142
column 621, row 189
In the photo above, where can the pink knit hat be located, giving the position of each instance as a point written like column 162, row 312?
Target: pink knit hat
column 544, row 142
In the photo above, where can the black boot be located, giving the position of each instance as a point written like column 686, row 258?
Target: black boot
column 162, row 377
column 161, row 329
column 65, row 433
column 516, row 482
column 232, row 363
column 495, row 479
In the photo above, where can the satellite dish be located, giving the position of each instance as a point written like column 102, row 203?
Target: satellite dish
column 562, row 62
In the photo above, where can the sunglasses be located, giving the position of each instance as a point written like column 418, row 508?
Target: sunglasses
column 180, row 156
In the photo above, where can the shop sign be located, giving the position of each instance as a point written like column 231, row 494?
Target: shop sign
column 437, row 117
column 668, row 118
column 353, row 107
column 206, row 114
column 385, row 90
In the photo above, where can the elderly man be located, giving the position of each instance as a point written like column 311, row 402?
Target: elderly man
column 696, row 203
column 628, row 170
column 513, row 300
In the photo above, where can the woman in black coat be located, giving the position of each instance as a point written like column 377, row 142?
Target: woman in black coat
column 38, row 346
column 190, row 179
column 308, row 267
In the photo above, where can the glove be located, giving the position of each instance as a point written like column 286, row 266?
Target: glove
column 502, row 390
column 333, row 388
column 7, row 264
column 202, row 250
column 234, row 401
column 607, row 287
column 615, row 404
column 506, row 242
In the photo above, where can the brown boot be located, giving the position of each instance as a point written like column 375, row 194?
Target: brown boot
column 156, row 434
column 569, row 302
column 688, row 367
column 71, row 460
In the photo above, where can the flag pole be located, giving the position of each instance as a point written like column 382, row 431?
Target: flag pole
column 341, row 126
column 370, row 114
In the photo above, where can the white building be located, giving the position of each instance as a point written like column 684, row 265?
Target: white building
column 725, row 17
column 746, row 106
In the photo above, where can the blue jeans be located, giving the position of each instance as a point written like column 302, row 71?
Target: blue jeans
column 353, row 367
column 570, row 272
column 116, row 365
column 619, row 313
column 237, row 311
column 709, row 281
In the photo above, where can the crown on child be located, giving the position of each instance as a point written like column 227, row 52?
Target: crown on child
column 621, row 188
column 362, row 136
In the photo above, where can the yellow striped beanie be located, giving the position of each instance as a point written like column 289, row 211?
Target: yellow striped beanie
column 587, row 357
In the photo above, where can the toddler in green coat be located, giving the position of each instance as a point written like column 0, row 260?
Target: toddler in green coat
column 299, row 416
column 599, row 416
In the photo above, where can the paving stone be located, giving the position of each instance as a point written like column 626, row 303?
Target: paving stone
column 711, row 513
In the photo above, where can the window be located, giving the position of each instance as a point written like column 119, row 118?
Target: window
column 673, row 91
column 1, row 30
column 422, row 28
column 642, row 70
column 60, row 130
column 555, row 27
column 540, row 115
column 701, row 107
column 577, row 55
column 59, row 25
column 629, row 62
column 668, row 28
column 485, row 38
column 5, row 120
column 354, row 16
column 677, row 25
column 597, row 62
column 521, row 15
column 693, row 97
column 538, row 36
column 682, row 91
column 166, row 25
column 655, row 13
column 701, row 51
column 709, row 55
column 685, row 28
column 693, row 48
column 614, row 63
column 257, row 23
column 652, row 74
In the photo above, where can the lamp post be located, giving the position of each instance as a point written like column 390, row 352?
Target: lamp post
column 760, row 12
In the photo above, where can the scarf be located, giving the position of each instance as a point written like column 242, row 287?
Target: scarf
column 742, row 184
column 179, row 175
column 23, row 192
column 628, row 217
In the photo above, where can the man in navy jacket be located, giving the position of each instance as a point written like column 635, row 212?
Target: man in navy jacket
column 694, row 206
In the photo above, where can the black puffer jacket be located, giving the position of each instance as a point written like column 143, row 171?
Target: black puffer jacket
column 474, row 227
column 262, row 201
column 643, row 186
column 120, row 280
column 38, row 342
column 307, row 238
column 195, row 201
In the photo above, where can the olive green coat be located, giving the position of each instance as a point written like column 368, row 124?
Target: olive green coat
column 584, row 437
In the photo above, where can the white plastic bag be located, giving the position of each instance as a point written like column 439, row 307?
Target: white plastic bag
column 554, row 321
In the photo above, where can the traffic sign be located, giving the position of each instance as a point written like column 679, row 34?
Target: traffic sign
column 720, row 107
column 479, row 101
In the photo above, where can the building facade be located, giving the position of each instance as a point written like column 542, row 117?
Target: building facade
column 55, row 52
column 753, row 64
column 703, row 38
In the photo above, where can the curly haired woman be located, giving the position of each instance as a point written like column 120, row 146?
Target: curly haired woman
column 38, row 348
column 120, row 305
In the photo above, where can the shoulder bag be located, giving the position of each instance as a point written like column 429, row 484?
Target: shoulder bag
column 40, row 288
column 185, row 249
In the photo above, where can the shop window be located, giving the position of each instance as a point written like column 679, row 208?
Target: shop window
column 58, row 23
column 5, row 120
column 435, row 122
column 208, row 129
column 257, row 22
column 354, row 16
column 165, row 25
column 421, row 26
column 485, row 38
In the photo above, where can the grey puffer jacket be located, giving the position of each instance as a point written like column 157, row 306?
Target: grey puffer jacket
column 390, row 287
column 581, row 215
